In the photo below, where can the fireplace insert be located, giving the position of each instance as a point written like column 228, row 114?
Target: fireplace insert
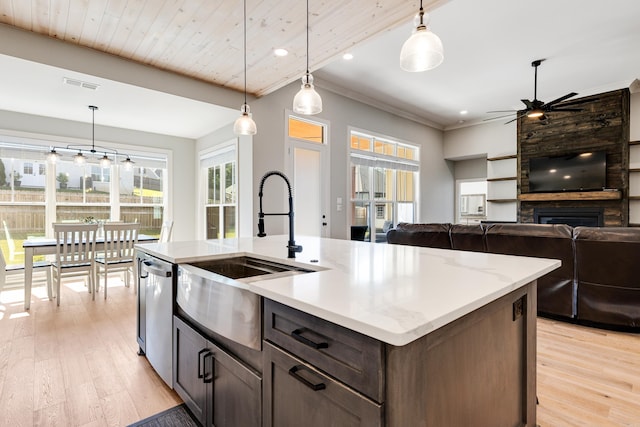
column 588, row 217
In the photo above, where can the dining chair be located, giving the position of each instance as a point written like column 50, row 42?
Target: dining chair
column 165, row 231
column 17, row 271
column 118, row 253
column 75, row 246
column 10, row 242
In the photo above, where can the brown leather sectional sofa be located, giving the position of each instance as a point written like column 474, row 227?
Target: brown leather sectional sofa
column 598, row 283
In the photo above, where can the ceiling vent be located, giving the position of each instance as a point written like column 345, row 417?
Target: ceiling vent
column 80, row 83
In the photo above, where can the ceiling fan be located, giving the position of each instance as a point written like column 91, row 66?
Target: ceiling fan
column 537, row 109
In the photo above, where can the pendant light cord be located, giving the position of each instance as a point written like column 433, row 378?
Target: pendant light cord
column 307, row 36
column 245, row 50
column 93, row 128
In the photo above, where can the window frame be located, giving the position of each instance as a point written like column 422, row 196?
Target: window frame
column 390, row 165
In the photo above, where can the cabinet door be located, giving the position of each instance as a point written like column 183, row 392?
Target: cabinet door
column 296, row 394
column 189, row 353
column 235, row 393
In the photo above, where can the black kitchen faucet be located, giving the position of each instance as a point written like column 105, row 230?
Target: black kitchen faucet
column 291, row 245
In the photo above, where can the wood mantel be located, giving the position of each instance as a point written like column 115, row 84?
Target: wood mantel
column 576, row 195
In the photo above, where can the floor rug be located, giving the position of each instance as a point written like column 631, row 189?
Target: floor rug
column 178, row 416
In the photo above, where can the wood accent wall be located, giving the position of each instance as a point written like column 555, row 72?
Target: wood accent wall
column 602, row 125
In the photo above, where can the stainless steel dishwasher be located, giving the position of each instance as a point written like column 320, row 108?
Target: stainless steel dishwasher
column 155, row 314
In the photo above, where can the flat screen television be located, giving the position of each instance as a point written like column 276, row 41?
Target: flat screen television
column 585, row 171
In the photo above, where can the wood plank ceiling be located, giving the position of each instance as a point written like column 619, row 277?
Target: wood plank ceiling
column 203, row 38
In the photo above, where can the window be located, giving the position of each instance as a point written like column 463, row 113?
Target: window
column 27, row 168
column 384, row 175
column 221, row 197
column 78, row 191
column 306, row 130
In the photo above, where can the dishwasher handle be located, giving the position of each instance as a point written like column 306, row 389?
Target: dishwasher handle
column 150, row 267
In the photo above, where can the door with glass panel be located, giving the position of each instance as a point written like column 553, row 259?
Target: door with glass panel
column 308, row 172
column 221, row 194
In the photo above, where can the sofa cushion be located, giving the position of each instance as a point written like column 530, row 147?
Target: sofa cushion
column 467, row 237
column 427, row 235
column 608, row 275
column 556, row 289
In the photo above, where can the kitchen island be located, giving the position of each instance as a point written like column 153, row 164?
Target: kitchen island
column 421, row 336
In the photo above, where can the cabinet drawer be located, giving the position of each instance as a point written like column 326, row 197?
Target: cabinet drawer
column 296, row 394
column 353, row 358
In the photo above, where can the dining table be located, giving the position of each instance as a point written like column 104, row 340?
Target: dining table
column 47, row 246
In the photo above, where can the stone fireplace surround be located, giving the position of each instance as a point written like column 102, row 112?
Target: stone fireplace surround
column 602, row 125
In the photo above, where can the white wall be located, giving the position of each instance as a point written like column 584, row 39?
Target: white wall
column 470, row 169
column 181, row 152
column 436, row 174
column 491, row 139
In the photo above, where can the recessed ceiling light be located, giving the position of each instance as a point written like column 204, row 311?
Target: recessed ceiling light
column 280, row 52
column 463, row 112
column 347, row 56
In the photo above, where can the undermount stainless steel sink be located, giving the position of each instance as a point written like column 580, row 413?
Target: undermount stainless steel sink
column 243, row 266
column 213, row 294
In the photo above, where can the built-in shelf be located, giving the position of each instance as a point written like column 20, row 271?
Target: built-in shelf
column 630, row 143
column 631, row 170
column 574, row 195
column 502, row 200
column 634, row 225
column 634, row 197
column 495, row 159
column 507, row 178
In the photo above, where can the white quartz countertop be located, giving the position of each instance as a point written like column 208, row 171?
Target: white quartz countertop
column 392, row 293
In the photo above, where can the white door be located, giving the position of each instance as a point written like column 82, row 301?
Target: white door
column 310, row 214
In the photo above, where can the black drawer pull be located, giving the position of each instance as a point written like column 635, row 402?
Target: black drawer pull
column 200, row 364
column 297, row 335
column 294, row 373
column 208, row 376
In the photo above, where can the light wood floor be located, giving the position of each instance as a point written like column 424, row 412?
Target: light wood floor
column 76, row 365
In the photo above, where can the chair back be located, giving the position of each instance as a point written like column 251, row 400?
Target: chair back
column 3, row 270
column 75, row 243
column 10, row 243
column 119, row 241
column 165, row 231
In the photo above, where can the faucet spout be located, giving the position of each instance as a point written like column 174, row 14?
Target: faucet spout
column 291, row 244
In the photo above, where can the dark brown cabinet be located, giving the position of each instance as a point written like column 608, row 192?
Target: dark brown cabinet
column 323, row 374
column 477, row 370
column 297, row 394
column 218, row 389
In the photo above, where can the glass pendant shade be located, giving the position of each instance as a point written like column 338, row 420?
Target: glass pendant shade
column 79, row 158
column 423, row 49
column 53, row 156
column 128, row 163
column 244, row 125
column 105, row 162
column 307, row 101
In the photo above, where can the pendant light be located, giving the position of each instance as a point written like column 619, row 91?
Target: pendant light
column 307, row 101
column 244, row 125
column 423, row 50
column 92, row 151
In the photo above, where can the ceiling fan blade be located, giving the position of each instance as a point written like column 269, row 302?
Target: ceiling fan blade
column 556, row 110
column 498, row 117
column 516, row 118
column 578, row 101
column 528, row 103
column 562, row 98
